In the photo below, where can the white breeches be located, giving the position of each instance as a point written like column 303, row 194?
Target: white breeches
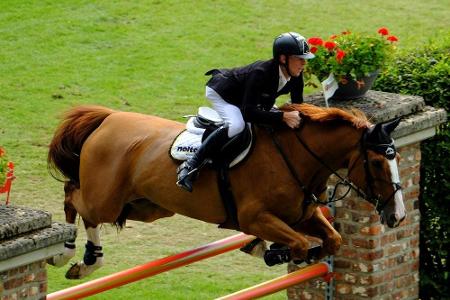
column 230, row 113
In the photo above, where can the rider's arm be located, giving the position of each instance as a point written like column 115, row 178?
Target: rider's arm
column 255, row 101
column 297, row 89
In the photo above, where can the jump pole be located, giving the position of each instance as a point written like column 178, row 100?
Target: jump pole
column 152, row 268
column 280, row 283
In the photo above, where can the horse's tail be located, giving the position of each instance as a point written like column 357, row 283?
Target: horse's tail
column 64, row 153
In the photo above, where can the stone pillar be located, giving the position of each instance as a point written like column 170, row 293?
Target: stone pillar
column 27, row 238
column 376, row 262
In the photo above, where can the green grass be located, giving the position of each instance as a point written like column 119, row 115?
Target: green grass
column 150, row 56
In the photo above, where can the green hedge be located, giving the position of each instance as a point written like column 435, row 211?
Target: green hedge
column 425, row 72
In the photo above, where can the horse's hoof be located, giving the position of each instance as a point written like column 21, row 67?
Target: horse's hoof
column 74, row 272
column 81, row 270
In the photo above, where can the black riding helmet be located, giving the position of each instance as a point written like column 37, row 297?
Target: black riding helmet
column 291, row 43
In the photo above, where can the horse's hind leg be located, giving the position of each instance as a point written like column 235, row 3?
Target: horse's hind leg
column 93, row 255
column 71, row 214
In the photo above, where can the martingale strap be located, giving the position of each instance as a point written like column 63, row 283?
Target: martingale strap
column 223, row 183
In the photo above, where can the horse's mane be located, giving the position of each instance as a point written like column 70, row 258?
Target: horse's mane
column 323, row 114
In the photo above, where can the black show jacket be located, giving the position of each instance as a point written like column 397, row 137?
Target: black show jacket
column 253, row 88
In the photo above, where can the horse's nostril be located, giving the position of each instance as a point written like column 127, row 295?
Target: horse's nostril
column 393, row 218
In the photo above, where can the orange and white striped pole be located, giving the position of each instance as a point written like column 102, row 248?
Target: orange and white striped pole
column 280, row 283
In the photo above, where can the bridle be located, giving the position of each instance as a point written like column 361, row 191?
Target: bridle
column 310, row 198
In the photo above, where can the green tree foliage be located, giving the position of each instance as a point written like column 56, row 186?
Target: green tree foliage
column 425, row 72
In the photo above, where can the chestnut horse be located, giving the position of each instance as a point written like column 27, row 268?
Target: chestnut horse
column 117, row 167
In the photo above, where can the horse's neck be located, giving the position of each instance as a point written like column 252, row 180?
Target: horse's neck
column 332, row 146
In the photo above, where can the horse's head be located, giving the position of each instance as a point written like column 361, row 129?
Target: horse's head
column 377, row 172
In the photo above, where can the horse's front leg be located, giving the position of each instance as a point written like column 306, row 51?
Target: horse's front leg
column 93, row 255
column 269, row 227
column 319, row 226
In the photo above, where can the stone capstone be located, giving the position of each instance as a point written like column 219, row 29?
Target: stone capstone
column 23, row 230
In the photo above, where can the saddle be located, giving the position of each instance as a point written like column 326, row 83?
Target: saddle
column 198, row 127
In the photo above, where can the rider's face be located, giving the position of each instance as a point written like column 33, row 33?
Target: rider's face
column 296, row 65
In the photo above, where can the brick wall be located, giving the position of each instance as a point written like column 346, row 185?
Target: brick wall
column 24, row 282
column 375, row 261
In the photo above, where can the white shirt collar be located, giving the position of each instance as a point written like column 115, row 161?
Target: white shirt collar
column 282, row 80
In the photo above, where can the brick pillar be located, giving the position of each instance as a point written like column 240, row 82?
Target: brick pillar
column 24, row 282
column 374, row 261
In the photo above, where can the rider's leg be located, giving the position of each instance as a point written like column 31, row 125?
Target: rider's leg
column 187, row 171
column 234, row 124
column 230, row 113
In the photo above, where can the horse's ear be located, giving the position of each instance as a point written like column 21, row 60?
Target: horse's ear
column 388, row 127
column 373, row 134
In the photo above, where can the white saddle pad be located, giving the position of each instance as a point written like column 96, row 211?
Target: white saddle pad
column 185, row 145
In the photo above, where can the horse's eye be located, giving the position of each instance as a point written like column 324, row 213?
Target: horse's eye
column 377, row 163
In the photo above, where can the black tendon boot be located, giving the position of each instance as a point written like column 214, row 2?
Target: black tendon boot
column 188, row 170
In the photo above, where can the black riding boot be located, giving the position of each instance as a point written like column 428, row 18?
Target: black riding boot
column 188, row 170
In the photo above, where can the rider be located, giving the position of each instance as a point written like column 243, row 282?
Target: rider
column 247, row 94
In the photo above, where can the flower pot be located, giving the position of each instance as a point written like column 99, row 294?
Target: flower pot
column 351, row 89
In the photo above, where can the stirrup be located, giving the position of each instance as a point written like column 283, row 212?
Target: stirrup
column 185, row 180
column 183, row 166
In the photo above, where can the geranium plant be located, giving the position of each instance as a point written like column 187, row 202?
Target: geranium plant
column 6, row 167
column 350, row 55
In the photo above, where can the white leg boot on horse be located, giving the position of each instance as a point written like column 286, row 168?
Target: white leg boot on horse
column 188, row 170
column 93, row 255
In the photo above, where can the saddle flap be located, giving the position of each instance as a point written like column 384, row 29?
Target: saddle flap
column 238, row 147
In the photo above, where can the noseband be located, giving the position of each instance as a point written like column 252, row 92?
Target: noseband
column 379, row 203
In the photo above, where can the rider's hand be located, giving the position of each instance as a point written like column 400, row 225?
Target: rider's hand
column 291, row 118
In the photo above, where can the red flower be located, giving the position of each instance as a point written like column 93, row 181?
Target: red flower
column 314, row 49
column 383, row 31
column 330, row 45
column 392, row 38
column 315, row 41
column 340, row 55
column 10, row 165
column 2, row 151
column 333, row 37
